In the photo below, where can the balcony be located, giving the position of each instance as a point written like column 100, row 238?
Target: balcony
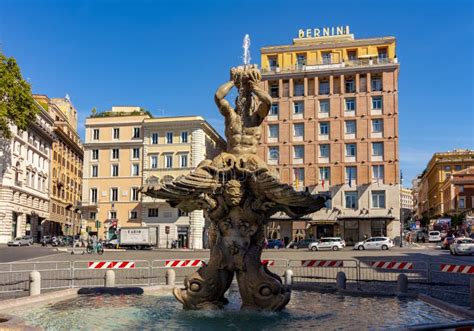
column 367, row 62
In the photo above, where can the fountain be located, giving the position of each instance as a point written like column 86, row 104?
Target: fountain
column 238, row 193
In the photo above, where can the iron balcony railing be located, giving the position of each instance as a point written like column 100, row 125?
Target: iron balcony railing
column 332, row 65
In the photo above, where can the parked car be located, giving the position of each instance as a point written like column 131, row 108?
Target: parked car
column 447, row 242
column 334, row 243
column 303, row 243
column 375, row 243
column 21, row 241
column 420, row 236
column 275, row 243
column 462, row 246
column 434, row 236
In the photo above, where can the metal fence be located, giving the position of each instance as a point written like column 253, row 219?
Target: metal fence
column 182, row 267
column 323, row 271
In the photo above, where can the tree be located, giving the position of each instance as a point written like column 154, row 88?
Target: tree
column 16, row 101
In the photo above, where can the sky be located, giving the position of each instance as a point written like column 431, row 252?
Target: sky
column 170, row 56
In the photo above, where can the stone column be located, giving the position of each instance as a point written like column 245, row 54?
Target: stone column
column 195, row 229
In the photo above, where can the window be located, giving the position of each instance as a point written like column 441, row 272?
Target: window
column 377, row 125
column 298, row 129
column 273, row 131
column 462, row 202
column 93, row 195
column 324, row 150
column 351, row 199
column 298, row 107
column 136, row 133
column 115, row 170
column 95, row 171
column 378, row 199
column 183, row 160
column 169, row 137
column 116, row 133
column 274, row 109
column 351, row 149
column 377, row 103
column 377, row 149
column 351, row 175
column 301, row 59
column 377, row 173
column 115, row 154
column 95, row 134
column 461, row 188
column 154, row 138
column 274, row 90
column 326, row 57
column 457, row 167
column 350, row 127
column 298, row 152
column 133, row 215
column 113, row 215
column 169, row 161
column 324, row 173
column 184, row 137
column 298, row 89
column 154, row 161
column 376, row 84
column 92, row 215
column 324, row 128
column 273, row 153
column 272, row 62
column 135, row 169
column 350, row 86
column 298, row 176
column 352, row 55
column 134, row 196
column 447, row 168
column 152, row 212
column 324, row 106
column 114, row 194
column 136, row 153
column 95, row 154
column 382, row 53
column 324, row 87
column 350, row 104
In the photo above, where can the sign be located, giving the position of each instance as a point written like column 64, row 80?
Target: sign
column 324, row 32
column 167, row 229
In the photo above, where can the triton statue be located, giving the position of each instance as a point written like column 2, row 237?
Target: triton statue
column 238, row 193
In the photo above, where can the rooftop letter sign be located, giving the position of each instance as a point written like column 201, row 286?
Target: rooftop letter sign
column 324, row 32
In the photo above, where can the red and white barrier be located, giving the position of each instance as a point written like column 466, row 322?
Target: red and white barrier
column 392, row 265
column 463, row 269
column 268, row 262
column 183, row 263
column 319, row 263
column 111, row 265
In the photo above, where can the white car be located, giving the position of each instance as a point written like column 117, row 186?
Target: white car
column 375, row 243
column 334, row 243
column 462, row 246
column 434, row 236
column 21, row 241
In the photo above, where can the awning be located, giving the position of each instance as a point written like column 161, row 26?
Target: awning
column 365, row 218
column 323, row 222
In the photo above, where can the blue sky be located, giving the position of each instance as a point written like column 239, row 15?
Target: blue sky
column 170, row 56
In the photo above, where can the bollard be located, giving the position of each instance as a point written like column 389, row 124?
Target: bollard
column 341, row 280
column 170, row 277
column 35, row 283
column 402, row 284
column 471, row 288
column 109, row 278
column 288, row 277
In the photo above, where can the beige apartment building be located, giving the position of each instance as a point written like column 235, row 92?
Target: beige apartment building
column 174, row 146
column 333, row 126
column 406, row 204
column 113, row 152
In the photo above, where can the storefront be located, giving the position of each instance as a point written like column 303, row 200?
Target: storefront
column 183, row 236
column 357, row 229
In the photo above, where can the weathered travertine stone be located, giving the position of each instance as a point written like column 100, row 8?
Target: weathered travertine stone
column 238, row 193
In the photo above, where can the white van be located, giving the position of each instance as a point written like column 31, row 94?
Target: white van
column 434, row 236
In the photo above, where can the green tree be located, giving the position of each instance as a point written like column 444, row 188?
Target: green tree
column 16, row 101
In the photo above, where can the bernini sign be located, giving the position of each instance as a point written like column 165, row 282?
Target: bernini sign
column 324, row 32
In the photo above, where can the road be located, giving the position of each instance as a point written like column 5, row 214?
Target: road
column 12, row 254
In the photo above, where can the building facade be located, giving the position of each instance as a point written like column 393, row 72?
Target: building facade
column 458, row 193
column 333, row 126
column 66, row 169
column 25, row 178
column 174, row 146
column 406, row 204
column 429, row 195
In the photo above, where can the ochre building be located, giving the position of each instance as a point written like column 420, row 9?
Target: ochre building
column 333, row 126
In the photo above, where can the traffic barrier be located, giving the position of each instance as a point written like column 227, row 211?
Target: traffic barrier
column 111, row 265
column 392, row 265
column 323, row 271
column 322, row 263
column 183, row 263
column 182, row 268
column 455, row 268
column 268, row 262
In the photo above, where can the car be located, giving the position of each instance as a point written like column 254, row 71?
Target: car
column 420, row 236
column 21, row 241
column 334, row 243
column 447, row 242
column 434, row 236
column 275, row 243
column 303, row 243
column 462, row 246
column 383, row 243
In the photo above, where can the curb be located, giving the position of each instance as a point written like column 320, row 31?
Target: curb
column 453, row 309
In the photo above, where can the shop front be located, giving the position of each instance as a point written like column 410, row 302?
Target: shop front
column 358, row 229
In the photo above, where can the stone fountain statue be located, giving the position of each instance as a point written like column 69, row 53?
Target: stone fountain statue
column 238, row 193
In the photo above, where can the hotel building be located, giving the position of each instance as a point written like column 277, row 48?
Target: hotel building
column 333, row 126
